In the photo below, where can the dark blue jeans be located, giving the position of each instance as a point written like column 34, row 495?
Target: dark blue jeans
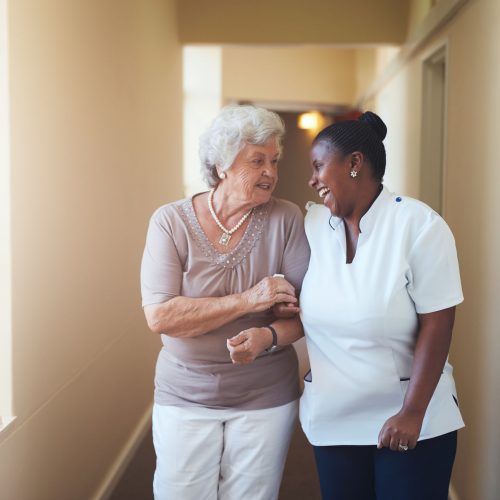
column 367, row 473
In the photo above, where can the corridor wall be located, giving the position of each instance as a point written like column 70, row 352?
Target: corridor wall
column 471, row 207
column 95, row 125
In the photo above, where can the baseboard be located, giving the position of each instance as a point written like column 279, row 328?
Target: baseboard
column 125, row 456
column 452, row 494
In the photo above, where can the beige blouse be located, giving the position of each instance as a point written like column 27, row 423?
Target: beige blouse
column 179, row 260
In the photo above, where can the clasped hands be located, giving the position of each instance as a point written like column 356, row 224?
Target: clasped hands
column 399, row 432
column 271, row 292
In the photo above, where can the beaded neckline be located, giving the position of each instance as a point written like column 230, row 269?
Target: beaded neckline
column 239, row 253
column 226, row 233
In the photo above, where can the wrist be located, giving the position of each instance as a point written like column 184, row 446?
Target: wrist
column 273, row 344
column 244, row 303
column 266, row 338
column 412, row 411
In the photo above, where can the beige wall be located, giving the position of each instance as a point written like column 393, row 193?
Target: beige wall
column 290, row 74
column 5, row 246
column 370, row 63
column 300, row 21
column 96, row 146
column 399, row 104
column 471, row 207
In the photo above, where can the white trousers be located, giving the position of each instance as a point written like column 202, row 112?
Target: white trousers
column 207, row 454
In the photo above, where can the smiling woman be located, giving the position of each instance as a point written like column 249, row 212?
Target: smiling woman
column 220, row 276
column 249, row 183
column 378, row 305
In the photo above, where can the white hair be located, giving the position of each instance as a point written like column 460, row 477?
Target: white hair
column 233, row 128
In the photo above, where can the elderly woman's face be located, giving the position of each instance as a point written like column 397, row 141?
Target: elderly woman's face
column 331, row 178
column 254, row 173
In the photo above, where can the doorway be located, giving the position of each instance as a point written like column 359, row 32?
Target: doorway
column 433, row 129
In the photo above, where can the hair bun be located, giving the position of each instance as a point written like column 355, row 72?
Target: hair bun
column 375, row 123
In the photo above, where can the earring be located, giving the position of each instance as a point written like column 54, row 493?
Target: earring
column 354, row 173
column 222, row 175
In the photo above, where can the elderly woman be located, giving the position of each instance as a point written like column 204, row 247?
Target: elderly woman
column 225, row 387
column 378, row 305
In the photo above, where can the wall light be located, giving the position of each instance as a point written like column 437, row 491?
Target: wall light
column 310, row 121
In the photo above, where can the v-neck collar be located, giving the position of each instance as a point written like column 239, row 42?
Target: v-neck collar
column 368, row 220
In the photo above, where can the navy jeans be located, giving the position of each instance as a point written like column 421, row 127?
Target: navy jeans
column 367, row 473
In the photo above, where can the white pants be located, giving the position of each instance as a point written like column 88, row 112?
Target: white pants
column 207, row 454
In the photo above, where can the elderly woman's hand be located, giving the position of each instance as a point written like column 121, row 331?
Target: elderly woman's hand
column 268, row 292
column 248, row 344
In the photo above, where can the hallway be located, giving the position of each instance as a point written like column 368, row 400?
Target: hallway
column 92, row 128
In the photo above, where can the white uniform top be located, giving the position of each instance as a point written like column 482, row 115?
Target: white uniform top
column 360, row 319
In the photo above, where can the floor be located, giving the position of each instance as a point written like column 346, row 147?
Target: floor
column 300, row 481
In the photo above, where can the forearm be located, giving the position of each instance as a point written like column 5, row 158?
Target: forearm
column 431, row 352
column 401, row 431
column 192, row 317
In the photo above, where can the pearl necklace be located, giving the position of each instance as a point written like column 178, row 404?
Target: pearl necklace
column 227, row 233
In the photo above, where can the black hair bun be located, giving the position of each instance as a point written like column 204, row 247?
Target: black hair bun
column 375, row 123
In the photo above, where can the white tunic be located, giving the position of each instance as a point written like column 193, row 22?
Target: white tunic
column 360, row 319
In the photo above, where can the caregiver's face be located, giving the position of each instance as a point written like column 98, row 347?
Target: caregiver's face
column 331, row 178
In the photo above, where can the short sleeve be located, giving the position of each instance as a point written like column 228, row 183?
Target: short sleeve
column 296, row 255
column 434, row 277
column 161, row 269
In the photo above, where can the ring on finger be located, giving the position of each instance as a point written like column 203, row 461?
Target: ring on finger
column 402, row 447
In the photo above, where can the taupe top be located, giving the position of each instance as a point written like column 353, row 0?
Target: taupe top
column 179, row 260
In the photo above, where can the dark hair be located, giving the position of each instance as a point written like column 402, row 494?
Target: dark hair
column 364, row 135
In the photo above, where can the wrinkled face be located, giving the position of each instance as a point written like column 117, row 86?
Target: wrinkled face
column 331, row 178
column 253, row 175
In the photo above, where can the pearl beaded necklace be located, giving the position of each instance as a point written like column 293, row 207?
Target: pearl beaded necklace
column 227, row 233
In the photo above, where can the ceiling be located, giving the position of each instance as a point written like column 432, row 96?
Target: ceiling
column 339, row 22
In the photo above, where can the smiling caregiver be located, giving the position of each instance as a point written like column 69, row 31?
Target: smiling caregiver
column 378, row 305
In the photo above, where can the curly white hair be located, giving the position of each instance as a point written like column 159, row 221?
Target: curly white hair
column 233, row 128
